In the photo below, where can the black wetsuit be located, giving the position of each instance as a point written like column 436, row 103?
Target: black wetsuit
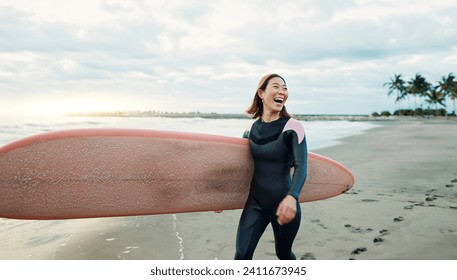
column 275, row 148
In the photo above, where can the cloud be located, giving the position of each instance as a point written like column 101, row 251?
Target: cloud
column 208, row 55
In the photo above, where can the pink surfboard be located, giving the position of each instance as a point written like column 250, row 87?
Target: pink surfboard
column 85, row 173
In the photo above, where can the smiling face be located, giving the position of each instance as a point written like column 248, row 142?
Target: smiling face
column 274, row 96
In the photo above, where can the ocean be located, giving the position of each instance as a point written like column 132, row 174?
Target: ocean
column 319, row 134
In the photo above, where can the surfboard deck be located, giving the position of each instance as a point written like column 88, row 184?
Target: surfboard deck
column 87, row 173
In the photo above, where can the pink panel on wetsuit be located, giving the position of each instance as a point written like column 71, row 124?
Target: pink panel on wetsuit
column 296, row 126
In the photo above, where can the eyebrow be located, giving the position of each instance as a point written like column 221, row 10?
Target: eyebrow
column 279, row 84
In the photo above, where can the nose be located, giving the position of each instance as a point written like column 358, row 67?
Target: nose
column 282, row 91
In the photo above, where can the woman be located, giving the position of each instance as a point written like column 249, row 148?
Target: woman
column 277, row 143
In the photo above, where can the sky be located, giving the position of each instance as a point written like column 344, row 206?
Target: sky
column 67, row 56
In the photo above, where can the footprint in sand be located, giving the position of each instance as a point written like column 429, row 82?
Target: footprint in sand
column 398, row 219
column 369, row 200
column 409, row 207
column 318, row 222
column 431, row 198
column 357, row 229
column 377, row 240
column 308, row 256
column 359, row 250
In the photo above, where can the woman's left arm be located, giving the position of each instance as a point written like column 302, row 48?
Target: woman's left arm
column 300, row 157
column 287, row 209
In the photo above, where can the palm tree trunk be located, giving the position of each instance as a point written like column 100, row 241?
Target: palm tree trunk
column 454, row 107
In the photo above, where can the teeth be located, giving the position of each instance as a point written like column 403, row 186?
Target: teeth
column 278, row 100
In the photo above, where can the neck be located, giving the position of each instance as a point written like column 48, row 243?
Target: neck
column 270, row 117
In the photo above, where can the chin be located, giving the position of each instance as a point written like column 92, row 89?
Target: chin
column 279, row 109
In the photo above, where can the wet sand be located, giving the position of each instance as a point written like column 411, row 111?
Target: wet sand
column 403, row 206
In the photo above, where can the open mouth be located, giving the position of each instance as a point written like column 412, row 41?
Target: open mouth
column 278, row 100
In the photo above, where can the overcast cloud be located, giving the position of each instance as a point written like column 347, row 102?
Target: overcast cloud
column 208, row 56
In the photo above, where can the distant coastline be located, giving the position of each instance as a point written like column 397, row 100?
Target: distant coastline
column 155, row 114
column 213, row 115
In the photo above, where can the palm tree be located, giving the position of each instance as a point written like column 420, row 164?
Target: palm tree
column 418, row 86
column 435, row 97
column 453, row 95
column 396, row 85
column 448, row 87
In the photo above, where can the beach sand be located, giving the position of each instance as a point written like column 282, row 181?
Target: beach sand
column 403, row 206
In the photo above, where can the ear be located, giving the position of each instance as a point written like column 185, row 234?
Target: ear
column 260, row 93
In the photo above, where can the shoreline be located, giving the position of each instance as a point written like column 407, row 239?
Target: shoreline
column 403, row 206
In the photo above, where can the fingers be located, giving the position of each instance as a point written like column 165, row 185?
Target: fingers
column 287, row 210
column 286, row 216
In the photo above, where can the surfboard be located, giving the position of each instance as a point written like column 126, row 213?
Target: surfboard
column 88, row 173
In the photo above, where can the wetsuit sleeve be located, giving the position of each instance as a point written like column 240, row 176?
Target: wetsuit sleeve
column 300, row 161
column 246, row 134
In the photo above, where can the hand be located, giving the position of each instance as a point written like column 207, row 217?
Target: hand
column 287, row 210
